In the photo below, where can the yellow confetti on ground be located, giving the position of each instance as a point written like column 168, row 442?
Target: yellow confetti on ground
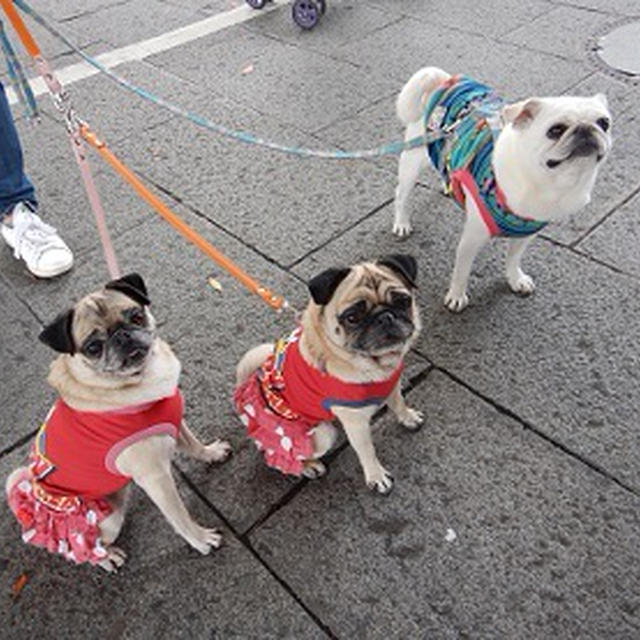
column 214, row 284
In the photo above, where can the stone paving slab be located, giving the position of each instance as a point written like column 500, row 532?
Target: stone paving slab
column 400, row 49
column 23, row 393
column 623, row 7
column 286, row 81
column 130, row 22
column 566, row 31
column 617, row 239
column 542, row 547
column 563, row 359
column 491, row 19
column 165, row 590
column 281, row 204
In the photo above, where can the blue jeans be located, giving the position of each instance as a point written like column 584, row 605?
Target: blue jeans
column 14, row 185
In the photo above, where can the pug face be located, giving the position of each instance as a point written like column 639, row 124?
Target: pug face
column 111, row 331
column 370, row 309
column 561, row 136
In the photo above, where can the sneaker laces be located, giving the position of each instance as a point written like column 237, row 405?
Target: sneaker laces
column 29, row 228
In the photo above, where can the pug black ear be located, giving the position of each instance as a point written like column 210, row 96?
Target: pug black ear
column 403, row 264
column 131, row 285
column 57, row 335
column 323, row 286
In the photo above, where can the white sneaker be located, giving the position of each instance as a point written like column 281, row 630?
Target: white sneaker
column 37, row 243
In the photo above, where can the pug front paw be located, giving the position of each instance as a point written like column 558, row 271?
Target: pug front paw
column 380, row 481
column 217, row 451
column 206, row 539
column 522, row 284
column 456, row 302
column 402, row 229
column 411, row 419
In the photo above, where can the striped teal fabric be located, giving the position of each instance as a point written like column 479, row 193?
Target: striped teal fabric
column 471, row 110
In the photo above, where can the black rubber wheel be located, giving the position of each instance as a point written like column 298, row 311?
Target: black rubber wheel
column 257, row 4
column 306, row 13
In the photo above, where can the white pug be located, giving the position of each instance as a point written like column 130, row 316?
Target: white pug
column 513, row 167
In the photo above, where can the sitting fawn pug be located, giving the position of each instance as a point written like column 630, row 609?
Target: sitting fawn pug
column 513, row 168
column 118, row 418
column 344, row 361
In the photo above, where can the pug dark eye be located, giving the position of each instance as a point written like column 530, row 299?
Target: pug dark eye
column 353, row 315
column 603, row 123
column 93, row 349
column 137, row 317
column 401, row 301
column 555, row 132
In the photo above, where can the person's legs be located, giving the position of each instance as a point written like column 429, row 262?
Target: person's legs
column 15, row 187
column 38, row 244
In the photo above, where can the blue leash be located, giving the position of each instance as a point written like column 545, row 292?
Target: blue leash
column 392, row 148
column 17, row 78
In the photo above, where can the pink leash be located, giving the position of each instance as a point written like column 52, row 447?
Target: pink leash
column 62, row 103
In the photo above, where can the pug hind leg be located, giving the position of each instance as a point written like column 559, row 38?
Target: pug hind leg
column 412, row 419
column 110, row 527
column 410, row 165
column 518, row 280
column 217, row 451
column 475, row 235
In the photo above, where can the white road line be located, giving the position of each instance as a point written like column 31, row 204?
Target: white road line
column 140, row 50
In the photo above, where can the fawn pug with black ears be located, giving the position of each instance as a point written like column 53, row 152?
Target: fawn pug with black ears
column 512, row 167
column 118, row 418
column 344, row 361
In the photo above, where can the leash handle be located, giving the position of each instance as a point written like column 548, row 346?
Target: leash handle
column 274, row 301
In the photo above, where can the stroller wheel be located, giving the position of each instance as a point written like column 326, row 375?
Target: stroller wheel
column 306, row 13
column 323, row 6
column 257, row 4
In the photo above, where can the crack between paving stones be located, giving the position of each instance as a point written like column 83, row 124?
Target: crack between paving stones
column 588, row 9
column 593, row 466
column 339, row 234
column 607, row 215
column 22, row 300
column 244, row 541
column 203, row 216
column 322, row 52
column 581, row 254
column 84, row 14
column 18, row 443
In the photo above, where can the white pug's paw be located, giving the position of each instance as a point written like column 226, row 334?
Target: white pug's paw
column 454, row 302
column 217, row 451
column 522, row 284
column 411, row 419
column 402, row 229
column 314, row 469
column 380, row 481
column 114, row 560
column 206, row 539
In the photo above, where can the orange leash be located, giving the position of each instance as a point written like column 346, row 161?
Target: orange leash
column 78, row 129
column 23, row 33
column 273, row 300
